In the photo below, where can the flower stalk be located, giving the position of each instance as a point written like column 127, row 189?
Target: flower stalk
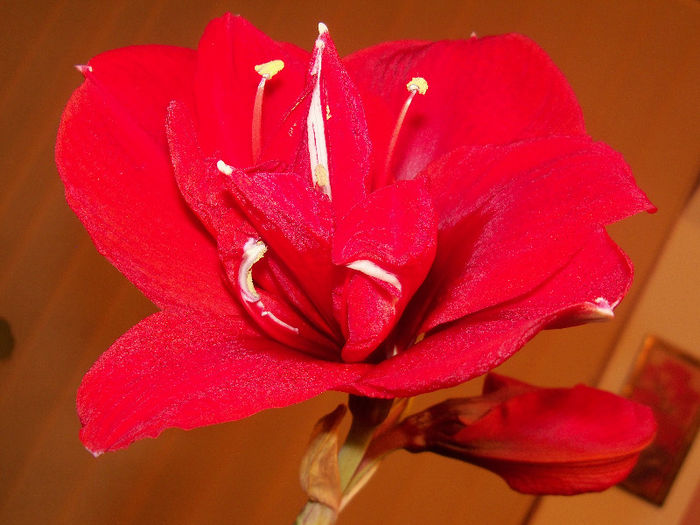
column 328, row 475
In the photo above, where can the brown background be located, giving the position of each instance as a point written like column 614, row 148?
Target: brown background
column 635, row 66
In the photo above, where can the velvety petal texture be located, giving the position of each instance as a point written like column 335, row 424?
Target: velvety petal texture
column 536, row 200
column 292, row 249
column 492, row 90
column 226, row 81
column 112, row 155
column 182, row 369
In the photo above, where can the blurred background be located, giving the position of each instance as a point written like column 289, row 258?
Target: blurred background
column 635, row 66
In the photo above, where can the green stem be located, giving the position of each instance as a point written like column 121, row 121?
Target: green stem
column 353, row 451
column 367, row 415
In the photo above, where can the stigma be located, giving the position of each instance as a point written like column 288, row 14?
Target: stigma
column 266, row 72
column 315, row 126
column 417, row 85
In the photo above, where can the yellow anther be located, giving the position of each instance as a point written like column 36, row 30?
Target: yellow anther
column 328, row 112
column 321, row 174
column 253, row 251
column 417, row 84
column 270, row 69
column 419, row 338
column 259, row 253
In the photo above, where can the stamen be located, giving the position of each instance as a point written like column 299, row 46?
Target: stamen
column 253, row 251
column 266, row 71
column 372, row 270
column 318, row 153
column 277, row 320
column 224, row 168
column 415, row 85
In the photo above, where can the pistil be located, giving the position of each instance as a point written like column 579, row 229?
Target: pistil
column 266, row 72
column 415, row 85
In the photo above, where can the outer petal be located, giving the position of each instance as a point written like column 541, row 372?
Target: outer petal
column 475, row 344
column 390, row 239
column 226, row 83
column 181, row 369
column 112, row 154
column 510, row 216
column 492, row 90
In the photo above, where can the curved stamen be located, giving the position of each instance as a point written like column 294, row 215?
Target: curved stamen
column 415, row 85
column 253, row 251
column 266, row 71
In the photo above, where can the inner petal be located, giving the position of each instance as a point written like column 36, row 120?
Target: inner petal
column 387, row 244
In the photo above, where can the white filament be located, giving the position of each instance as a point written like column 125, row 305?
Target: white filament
column 318, row 152
column 372, row 270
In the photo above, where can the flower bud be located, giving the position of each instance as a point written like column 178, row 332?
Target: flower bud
column 540, row 440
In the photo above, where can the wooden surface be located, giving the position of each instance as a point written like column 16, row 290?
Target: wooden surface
column 635, row 67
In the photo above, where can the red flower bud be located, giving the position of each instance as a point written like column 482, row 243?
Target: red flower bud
column 540, row 440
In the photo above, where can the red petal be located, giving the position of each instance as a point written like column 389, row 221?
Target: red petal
column 202, row 185
column 475, row 344
column 559, row 441
column 204, row 188
column 226, row 83
column 112, row 154
column 510, row 216
column 180, row 369
column 492, row 90
column 295, row 221
column 393, row 231
column 341, row 121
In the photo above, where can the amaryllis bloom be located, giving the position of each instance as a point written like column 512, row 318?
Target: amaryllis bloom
column 540, row 440
column 308, row 223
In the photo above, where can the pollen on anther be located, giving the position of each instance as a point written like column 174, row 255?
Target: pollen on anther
column 417, row 84
column 224, row 168
column 321, row 174
column 269, row 69
column 253, row 251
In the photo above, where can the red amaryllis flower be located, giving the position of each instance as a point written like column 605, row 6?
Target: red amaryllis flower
column 540, row 440
column 303, row 229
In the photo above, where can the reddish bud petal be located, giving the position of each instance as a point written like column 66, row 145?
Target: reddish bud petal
column 540, row 440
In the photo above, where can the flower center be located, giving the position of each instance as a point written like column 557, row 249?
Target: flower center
column 266, row 72
column 415, row 85
column 315, row 127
